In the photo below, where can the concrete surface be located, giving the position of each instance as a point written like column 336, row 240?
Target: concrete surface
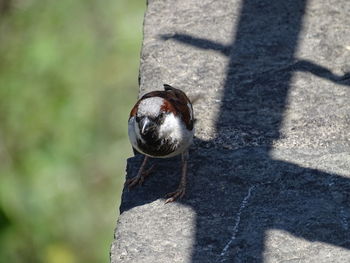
column 269, row 172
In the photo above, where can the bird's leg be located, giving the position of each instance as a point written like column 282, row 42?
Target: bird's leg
column 141, row 175
column 180, row 191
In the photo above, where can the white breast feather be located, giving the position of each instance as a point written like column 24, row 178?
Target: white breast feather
column 132, row 131
column 174, row 130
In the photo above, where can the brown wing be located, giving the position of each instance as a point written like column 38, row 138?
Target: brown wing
column 133, row 111
column 181, row 103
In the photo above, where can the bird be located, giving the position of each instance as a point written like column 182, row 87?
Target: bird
column 161, row 125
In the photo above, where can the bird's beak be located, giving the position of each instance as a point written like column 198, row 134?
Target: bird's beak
column 146, row 125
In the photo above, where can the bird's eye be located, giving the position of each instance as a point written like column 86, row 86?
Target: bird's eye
column 161, row 117
column 138, row 119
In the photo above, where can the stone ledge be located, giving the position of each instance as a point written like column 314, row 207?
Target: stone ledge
column 269, row 176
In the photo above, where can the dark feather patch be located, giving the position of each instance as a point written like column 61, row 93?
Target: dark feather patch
column 157, row 148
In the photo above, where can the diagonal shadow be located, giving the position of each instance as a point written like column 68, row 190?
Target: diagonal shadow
column 294, row 66
column 248, row 193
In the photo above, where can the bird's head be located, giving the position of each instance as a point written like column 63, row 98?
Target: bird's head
column 150, row 116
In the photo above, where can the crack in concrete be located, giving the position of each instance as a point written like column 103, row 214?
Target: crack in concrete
column 343, row 219
column 342, row 214
column 237, row 223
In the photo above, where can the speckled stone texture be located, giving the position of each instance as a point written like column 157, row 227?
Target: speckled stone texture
column 269, row 170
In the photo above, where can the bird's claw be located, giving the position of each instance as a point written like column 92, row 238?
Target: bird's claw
column 178, row 194
column 130, row 183
column 139, row 179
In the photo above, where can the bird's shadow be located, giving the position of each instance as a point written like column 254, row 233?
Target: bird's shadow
column 248, row 184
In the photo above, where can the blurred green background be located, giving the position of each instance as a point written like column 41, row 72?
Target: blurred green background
column 68, row 79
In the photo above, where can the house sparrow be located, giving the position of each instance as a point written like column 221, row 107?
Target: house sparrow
column 161, row 126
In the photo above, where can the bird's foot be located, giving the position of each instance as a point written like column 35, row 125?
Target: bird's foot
column 139, row 178
column 178, row 194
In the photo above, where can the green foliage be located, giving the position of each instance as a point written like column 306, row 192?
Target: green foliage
column 68, row 78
